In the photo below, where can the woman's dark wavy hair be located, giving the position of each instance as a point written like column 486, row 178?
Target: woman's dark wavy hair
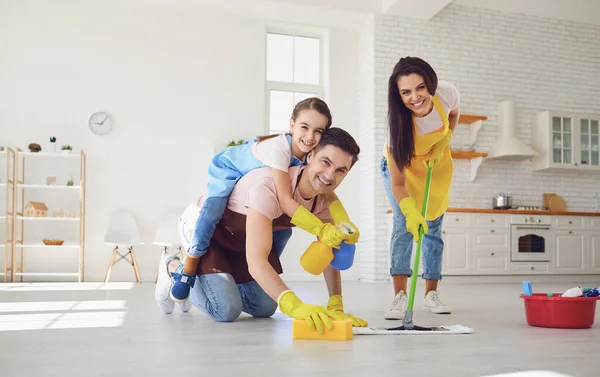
column 400, row 118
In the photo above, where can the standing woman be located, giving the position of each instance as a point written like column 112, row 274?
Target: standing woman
column 422, row 115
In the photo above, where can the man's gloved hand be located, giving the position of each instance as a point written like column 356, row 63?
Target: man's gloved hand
column 340, row 216
column 315, row 316
column 414, row 219
column 329, row 234
column 437, row 152
column 336, row 306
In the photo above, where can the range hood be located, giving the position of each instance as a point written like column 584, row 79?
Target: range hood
column 507, row 145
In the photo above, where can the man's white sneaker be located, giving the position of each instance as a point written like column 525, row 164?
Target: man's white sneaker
column 163, row 285
column 186, row 306
column 398, row 308
column 434, row 304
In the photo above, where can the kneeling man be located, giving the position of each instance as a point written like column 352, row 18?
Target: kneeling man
column 240, row 271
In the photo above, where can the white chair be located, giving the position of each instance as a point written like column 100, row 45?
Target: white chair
column 167, row 235
column 123, row 230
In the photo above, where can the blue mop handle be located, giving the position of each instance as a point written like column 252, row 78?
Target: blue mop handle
column 413, row 279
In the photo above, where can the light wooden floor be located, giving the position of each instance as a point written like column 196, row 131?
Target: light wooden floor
column 93, row 329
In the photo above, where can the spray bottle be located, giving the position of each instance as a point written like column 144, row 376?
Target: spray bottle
column 343, row 258
column 318, row 256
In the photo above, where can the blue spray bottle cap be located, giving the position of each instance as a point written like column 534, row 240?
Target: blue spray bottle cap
column 343, row 258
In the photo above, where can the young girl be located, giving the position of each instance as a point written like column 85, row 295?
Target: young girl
column 310, row 119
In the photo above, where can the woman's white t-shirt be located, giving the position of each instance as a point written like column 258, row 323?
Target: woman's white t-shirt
column 450, row 100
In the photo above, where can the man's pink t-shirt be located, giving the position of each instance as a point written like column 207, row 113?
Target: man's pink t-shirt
column 257, row 190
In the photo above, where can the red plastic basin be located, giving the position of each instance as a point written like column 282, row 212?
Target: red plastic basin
column 560, row 312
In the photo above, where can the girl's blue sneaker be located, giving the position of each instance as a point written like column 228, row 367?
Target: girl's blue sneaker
column 181, row 286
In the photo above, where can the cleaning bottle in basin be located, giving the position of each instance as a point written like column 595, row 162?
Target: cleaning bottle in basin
column 593, row 293
column 573, row 292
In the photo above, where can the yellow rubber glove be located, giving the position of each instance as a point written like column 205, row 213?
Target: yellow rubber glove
column 329, row 234
column 315, row 316
column 437, row 152
column 340, row 216
column 336, row 306
column 414, row 219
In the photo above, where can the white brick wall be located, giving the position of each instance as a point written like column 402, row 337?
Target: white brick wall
column 540, row 63
column 368, row 154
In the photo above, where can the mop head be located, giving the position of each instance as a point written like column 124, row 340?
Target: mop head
column 418, row 330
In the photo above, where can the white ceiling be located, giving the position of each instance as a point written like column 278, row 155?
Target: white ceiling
column 587, row 11
column 576, row 10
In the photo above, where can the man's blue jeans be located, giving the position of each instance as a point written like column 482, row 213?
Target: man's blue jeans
column 219, row 297
column 401, row 243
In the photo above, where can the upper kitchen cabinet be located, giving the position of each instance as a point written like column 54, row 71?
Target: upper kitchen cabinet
column 566, row 141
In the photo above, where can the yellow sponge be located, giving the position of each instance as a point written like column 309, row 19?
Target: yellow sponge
column 342, row 330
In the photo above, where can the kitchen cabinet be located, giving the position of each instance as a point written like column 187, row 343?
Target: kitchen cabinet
column 569, row 255
column 566, row 141
column 456, row 252
column 490, row 244
column 568, row 222
column 455, row 234
column 490, row 250
column 592, row 246
column 530, row 268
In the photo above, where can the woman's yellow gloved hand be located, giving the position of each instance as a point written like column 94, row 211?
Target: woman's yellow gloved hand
column 340, row 216
column 315, row 316
column 336, row 306
column 329, row 234
column 414, row 219
column 437, row 152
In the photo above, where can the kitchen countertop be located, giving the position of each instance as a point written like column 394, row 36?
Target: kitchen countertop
column 519, row 212
column 523, row 212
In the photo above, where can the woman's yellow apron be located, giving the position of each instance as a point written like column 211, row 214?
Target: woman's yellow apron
column 441, row 177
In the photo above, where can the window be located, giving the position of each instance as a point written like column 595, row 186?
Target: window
column 294, row 72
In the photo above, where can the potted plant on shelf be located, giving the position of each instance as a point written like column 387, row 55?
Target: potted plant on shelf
column 53, row 141
column 70, row 182
column 233, row 143
column 66, row 148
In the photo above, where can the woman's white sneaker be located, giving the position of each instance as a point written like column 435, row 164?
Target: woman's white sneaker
column 398, row 308
column 434, row 304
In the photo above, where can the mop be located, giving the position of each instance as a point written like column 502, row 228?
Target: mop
column 408, row 327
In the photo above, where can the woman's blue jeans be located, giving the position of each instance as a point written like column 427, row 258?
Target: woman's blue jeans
column 401, row 242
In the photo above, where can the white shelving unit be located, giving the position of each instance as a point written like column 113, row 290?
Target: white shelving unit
column 7, row 215
column 26, row 191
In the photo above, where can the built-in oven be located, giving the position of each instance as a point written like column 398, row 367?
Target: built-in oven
column 531, row 238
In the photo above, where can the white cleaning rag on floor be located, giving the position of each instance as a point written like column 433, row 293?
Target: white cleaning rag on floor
column 437, row 330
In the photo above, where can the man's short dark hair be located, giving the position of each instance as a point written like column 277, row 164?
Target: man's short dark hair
column 339, row 138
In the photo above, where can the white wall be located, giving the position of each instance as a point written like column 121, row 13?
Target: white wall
column 541, row 64
column 179, row 82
